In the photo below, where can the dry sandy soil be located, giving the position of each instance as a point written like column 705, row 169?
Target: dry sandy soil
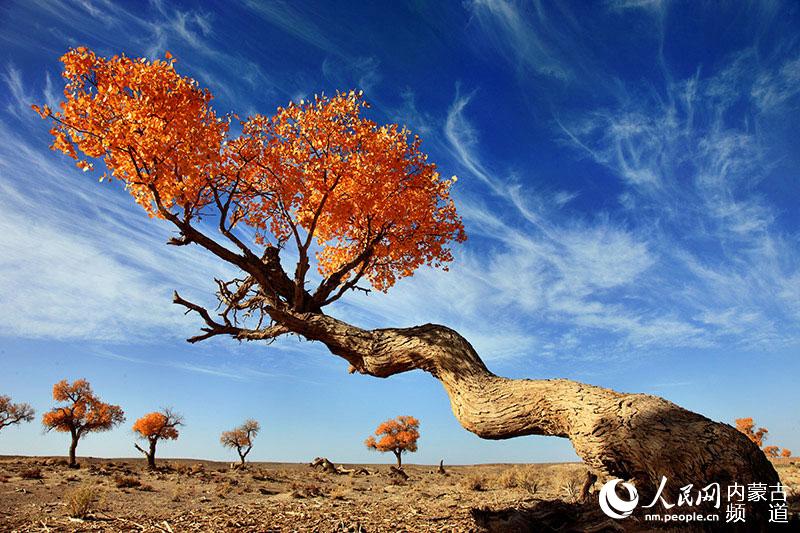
column 42, row 494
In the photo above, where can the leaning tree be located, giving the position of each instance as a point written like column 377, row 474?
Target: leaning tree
column 362, row 203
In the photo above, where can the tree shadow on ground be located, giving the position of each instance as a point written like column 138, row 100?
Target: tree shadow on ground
column 561, row 516
column 546, row 515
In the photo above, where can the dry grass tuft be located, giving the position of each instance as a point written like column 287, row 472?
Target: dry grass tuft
column 529, row 481
column 568, row 484
column 81, row 501
column 475, row 482
column 507, row 479
column 527, row 478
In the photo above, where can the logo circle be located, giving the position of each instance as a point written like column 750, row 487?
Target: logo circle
column 614, row 506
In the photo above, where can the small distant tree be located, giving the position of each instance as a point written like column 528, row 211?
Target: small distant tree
column 14, row 413
column 771, row 451
column 152, row 427
column 746, row 426
column 241, row 438
column 83, row 413
column 396, row 435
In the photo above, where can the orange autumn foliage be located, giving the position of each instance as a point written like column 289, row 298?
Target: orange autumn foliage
column 156, row 425
column 771, row 451
column 398, row 435
column 316, row 172
column 152, row 427
column 141, row 118
column 84, row 411
column 746, row 426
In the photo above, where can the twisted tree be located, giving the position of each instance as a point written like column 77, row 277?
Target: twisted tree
column 241, row 438
column 363, row 202
column 156, row 426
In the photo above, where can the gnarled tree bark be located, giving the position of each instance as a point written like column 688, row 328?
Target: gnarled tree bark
column 636, row 437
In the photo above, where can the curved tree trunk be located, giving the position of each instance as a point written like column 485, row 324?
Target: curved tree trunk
column 635, row 437
column 397, row 453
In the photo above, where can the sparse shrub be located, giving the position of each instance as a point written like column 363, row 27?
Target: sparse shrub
column 144, row 487
column 126, row 482
column 81, row 501
column 528, row 481
column 567, row 483
column 474, row 482
column 508, row 478
column 526, row 478
column 31, row 473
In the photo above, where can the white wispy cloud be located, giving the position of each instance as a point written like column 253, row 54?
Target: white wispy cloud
column 685, row 162
column 80, row 261
column 293, row 20
column 527, row 40
column 221, row 369
column 687, row 171
column 642, row 276
column 20, row 101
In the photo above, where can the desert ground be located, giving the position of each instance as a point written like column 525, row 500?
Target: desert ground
column 43, row 494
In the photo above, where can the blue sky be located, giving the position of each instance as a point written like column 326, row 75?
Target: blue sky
column 627, row 176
